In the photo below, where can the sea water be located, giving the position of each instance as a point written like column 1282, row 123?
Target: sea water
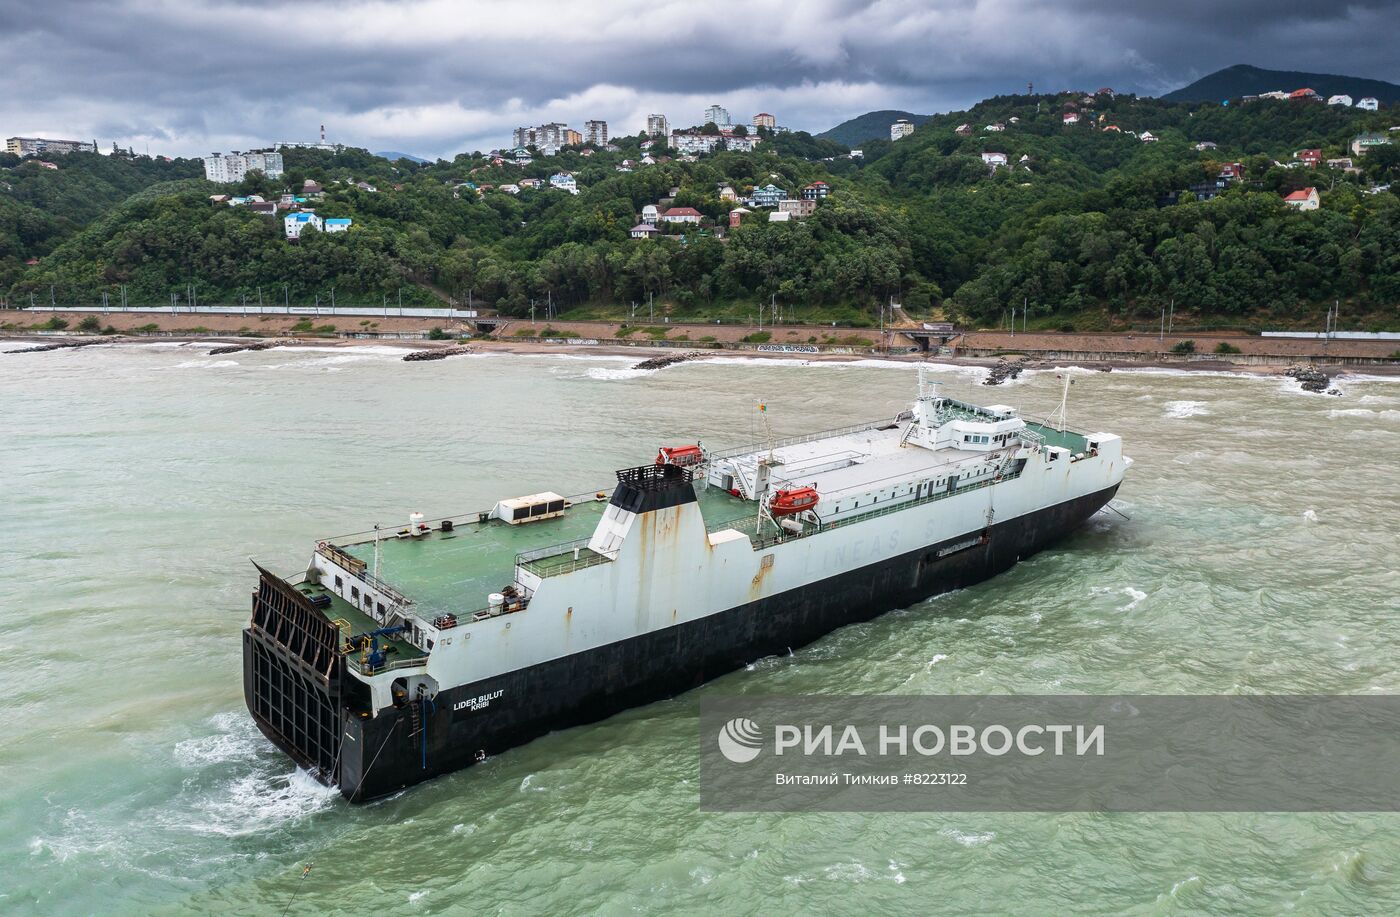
column 1258, row 555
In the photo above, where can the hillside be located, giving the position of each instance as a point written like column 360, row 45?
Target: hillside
column 1073, row 229
column 41, row 206
column 1242, row 80
column 873, row 125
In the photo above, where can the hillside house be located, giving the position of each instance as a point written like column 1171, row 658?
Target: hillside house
column 564, row 182
column 1310, row 158
column 816, row 191
column 650, row 214
column 1303, row 199
column 337, row 224
column 644, row 231
column 1367, row 103
column 995, row 127
column 681, row 215
column 294, row 224
column 736, row 216
column 1071, row 117
column 963, row 130
column 1205, row 145
column 1363, row 142
column 768, row 195
column 994, row 161
column 800, row 208
column 1147, row 137
column 780, row 216
column 1342, row 100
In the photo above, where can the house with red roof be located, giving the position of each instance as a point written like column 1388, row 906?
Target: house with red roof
column 1071, row 117
column 1305, row 94
column 1310, row 158
column 816, row 191
column 1304, row 199
column 681, row 215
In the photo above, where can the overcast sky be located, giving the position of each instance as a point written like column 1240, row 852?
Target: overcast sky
column 435, row 78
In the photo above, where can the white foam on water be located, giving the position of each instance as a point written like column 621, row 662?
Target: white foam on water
column 937, row 658
column 1309, row 515
column 236, row 740
column 897, row 869
column 702, row 875
column 967, row 838
column 1335, row 413
column 1137, row 595
column 847, row 872
column 256, row 802
column 1178, row 410
column 527, row 787
column 415, row 897
column 206, row 364
column 603, row 374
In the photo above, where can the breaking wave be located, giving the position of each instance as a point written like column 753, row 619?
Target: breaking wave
column 1177, row 410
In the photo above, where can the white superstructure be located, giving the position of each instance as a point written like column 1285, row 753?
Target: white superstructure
column 940, row 479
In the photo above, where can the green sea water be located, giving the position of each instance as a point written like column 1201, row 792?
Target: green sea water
column 1260, row 556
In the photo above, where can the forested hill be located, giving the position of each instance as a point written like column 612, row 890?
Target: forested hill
column 1075, row 225
column 40, row 206
column 873, row 125
column 1242, row 80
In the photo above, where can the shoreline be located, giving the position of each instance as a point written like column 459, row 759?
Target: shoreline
column 1030, row 358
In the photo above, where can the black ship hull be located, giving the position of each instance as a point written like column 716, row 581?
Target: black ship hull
column 303, row 701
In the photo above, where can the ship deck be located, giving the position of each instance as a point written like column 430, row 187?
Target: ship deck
column 454, row 572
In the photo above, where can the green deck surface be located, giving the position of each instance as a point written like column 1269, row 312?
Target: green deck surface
column 455, row 571
column 360, row 623
column 1074, row 442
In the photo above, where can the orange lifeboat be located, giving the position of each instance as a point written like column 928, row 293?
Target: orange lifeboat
column 790, row 502
column 684, row 456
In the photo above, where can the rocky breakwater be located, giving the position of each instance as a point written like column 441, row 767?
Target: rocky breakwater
column 1312, row 380
column 670, row 359
column 437, row 353
column 1004, row 371
column 258, row 345
column 66, row 345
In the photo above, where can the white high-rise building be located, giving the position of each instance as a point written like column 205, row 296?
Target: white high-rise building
column 595, row 132
column 901, row 128
column 717, row 114
column 234, row 166
column 656, row 126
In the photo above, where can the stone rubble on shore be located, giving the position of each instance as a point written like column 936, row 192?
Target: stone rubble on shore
column 437, row 353
column 1312, row 380
column 670, row 359
column 259, row 345
column 65, row 345
column 1005, row 370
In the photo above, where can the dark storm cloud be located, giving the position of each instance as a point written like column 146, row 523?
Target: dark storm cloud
column 437, row 77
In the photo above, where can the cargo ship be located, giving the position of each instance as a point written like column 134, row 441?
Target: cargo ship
column 404, row 653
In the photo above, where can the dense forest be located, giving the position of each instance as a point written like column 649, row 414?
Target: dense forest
column 1075, row 224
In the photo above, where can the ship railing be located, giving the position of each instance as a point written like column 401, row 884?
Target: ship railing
column 360, row 570
column 750, row 525
column 807, row 437
column 389, row 665
column 559, row 559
